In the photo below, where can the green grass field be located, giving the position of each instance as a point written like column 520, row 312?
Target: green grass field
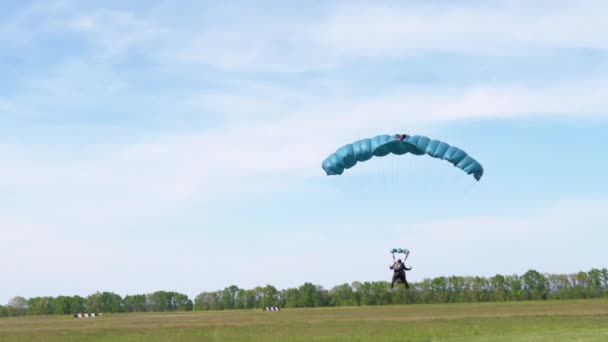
column 521, row 321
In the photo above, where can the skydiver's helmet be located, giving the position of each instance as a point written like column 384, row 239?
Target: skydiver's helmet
column 399, row 260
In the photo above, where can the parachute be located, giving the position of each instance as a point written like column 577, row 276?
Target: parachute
column 399, row 144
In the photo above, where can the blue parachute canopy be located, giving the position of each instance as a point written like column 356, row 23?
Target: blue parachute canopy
column 362, row 150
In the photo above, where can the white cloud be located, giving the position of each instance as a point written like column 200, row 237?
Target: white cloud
column 294, row 42
column 350, row 31
column 498, row 28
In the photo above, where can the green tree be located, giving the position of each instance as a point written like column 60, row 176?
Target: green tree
column 343, row 295
column 207, row 301
column 291, row 297
column 17, row 306
column 77, row 304
column 498, row 288
column 182, row 302
column 229, row 297
column 595, row 283
column 439, row 290
column 515, row 287
column 456, row 287
column 559, row 287
column 604, row 278
column 581, row 285
column 111, row 302
column 270, row 296
column 310, row 295
column 40, row 306
column 161, row 301
column 135, row 303
column 104, row 302
column 62, row 305
column 534, row 286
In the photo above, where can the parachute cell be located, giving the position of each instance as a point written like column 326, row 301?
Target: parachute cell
column 362, row 150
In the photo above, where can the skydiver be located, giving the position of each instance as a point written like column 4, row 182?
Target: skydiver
column 399, row 273
column 401, row 137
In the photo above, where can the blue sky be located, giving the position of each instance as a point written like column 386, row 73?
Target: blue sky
column 155, row 147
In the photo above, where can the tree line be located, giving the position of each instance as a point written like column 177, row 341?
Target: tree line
column 532, row 285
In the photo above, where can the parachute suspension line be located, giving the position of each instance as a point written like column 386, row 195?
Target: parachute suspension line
column 393, row 178
column 407, row 254
column 469, row 189
column 404, row 251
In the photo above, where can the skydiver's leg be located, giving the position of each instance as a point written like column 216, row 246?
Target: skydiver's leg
column 402, row 276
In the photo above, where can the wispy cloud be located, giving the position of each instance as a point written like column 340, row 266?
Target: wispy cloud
column 351, row 31
column 495, row 28
column 288, row 42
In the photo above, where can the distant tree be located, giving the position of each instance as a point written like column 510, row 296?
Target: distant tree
column 182, row 302
column 291, row 297
column 456, row 287
column 62, row 305
column 77, row 304
column 135, row 303
column 270, row 296
column 207, row 301
column 559, row 287
column 534, row 286
column 40, row 305
column 581, row 284
column 310, row 295
column 104, row 302
column 229, row 297
column 498, row 288
column 595, row 283
column 604, row 277
column 438, row 288
column 515, row 287
column 17, row 306
column 366, row 293
column 343, row 295
column 160, row 301
column 250, row 299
